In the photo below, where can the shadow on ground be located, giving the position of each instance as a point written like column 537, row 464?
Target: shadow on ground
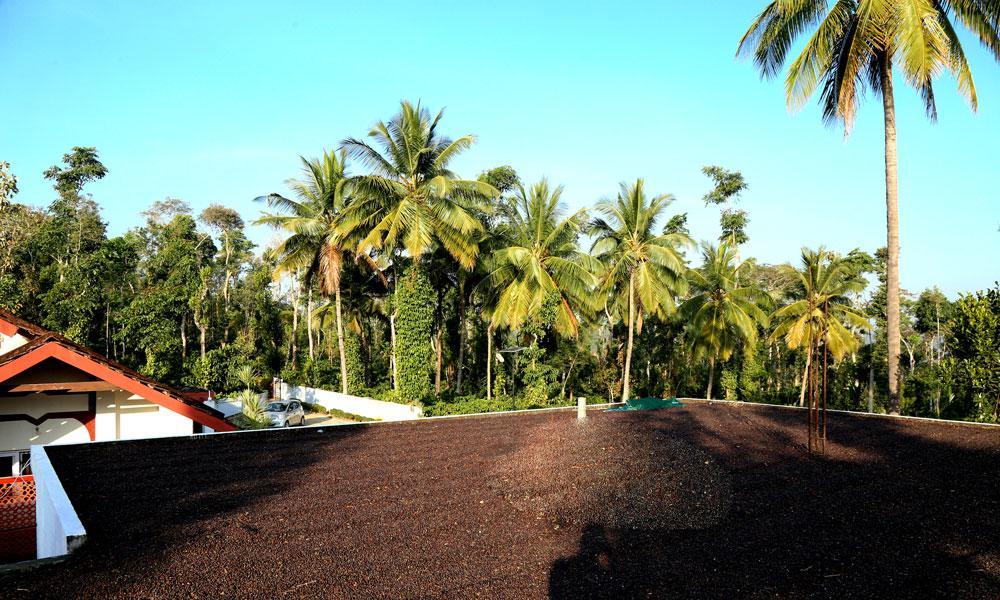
column 140, row 501
column 895, row 509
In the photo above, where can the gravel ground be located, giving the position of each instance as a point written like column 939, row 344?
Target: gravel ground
column 701, row 501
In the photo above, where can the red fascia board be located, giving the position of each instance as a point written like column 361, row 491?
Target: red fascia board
column 87, row 365
column 7, row 329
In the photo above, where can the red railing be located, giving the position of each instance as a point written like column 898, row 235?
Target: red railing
column 17, row 518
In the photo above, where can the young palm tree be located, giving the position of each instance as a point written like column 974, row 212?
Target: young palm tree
column 821, row 313
column 722, row 316
column 856, row 45
column 538, row 257
column 315, row 245
column 643, row 271
column 411, row 200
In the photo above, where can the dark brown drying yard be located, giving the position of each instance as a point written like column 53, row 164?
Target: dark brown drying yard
column 706, row 500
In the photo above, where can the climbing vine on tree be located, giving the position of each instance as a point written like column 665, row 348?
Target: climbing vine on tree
column 414, row 319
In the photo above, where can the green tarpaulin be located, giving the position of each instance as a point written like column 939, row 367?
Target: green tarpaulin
column 648, row 404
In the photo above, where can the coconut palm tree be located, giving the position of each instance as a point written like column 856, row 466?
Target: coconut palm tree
column 315, row 246
column 722, row 315
column 538, row 257
column 821, row 313
column 411, row 200
column 643, row 270
column 505, row 180
column 857, row 44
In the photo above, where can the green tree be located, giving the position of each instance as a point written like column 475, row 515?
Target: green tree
column 539, row 257
column 821, row 314
column 234, row 250
column 643, row 271
column 414, row 299
column 315, row 244
column 411, row 199
column 174, row 291
column 722, row 315
column 8, row 184
column 857, row 44
column 65, row 246
column 728, row 187
column 975, row 343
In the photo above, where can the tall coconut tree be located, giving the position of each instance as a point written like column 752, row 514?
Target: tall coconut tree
column 411, row 201
column 821, row 312
column 537, row 257
column 315, row 246
column 722, row 315
column 643, row 268
column 857, row 45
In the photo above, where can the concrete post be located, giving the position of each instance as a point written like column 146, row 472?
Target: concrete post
column 581, row 409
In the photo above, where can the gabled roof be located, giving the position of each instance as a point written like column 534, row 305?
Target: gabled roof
column 44, row 344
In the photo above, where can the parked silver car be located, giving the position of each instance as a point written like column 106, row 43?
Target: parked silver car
column 285, row 414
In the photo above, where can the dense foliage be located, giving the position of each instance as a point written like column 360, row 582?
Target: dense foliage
column 401, row 280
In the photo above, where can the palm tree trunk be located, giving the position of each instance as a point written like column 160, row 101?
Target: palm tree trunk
column 626, row 391
column 309, row 330
column 340, row 338
column 295, row 319
column 711, row 378
column 438, row 337
column 892, row 231
column 461, row 337
column 392, row 336
column 805, row 377
column 489, row 362
column 871, row 385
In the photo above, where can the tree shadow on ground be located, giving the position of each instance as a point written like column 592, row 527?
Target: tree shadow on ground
column 895, row 509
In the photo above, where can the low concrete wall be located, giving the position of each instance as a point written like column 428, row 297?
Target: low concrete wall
column 357, row 405
column 232, row 406
column 58, row 528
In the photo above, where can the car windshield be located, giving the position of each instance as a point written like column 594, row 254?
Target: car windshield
column 276, row 407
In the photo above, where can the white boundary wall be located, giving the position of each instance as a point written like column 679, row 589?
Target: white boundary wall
column 356, row 405
column 231, row 406
column 57, row 526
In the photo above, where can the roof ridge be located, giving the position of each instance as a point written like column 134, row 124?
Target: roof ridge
column 44, row 336
column 19, row 323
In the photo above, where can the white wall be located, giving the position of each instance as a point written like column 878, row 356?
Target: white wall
column 9, row 343
column 125, row 416
column 21, row 435
column 366, row 407
column 57, row 526
column 232, row 406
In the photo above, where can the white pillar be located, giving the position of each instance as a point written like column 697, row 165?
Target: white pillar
column 581, row 409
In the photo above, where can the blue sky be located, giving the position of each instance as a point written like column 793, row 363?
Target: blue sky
column 213, row 102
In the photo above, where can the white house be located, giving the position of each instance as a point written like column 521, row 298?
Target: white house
column 54, row 391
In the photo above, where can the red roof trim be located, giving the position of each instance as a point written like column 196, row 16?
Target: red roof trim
column 11, row 323
column 55, row 349
column 7, row 328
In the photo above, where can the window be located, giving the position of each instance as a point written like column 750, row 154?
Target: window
column 15, row 463
column 8, row 461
